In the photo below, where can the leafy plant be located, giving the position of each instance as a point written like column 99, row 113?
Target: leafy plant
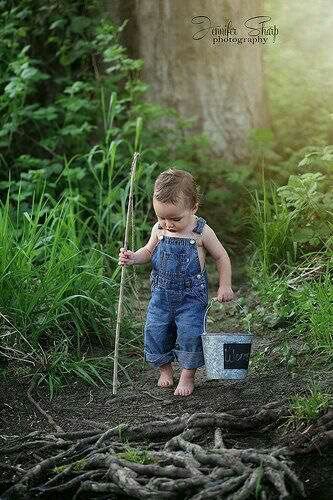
column 290, row 221
column 309, row 208
column 49, row 130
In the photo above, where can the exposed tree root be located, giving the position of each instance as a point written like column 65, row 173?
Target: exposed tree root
column 191, row 459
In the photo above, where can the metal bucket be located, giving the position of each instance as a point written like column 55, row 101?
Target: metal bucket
column 226, row 354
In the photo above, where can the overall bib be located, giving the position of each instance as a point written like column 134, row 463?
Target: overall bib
column 179, row 299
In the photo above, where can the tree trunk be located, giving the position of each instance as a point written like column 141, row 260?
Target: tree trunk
column 220, row 84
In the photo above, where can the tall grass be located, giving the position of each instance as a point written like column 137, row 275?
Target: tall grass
column 272, row 235
column 56, row 300
column 52, row 284
column 314, row 306
column 291, row 265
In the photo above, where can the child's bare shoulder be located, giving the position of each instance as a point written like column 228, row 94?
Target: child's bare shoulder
column 211, row 242
column 207, row 234
column 153, row 238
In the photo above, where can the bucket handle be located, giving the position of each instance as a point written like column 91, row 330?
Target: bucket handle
column 212, row 300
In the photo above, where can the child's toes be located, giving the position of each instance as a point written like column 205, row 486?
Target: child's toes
column 165, row 382
column 183, row 390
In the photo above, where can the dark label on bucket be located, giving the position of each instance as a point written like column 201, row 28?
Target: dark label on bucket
column 236, row 356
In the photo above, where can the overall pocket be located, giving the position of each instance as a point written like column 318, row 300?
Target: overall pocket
column 173, row 262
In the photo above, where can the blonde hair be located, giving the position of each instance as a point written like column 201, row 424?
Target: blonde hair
column 177, row 186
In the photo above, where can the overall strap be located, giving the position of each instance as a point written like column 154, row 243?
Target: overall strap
column 199, row 225
column 159, row 232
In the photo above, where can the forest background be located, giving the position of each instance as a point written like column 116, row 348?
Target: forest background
column 73, row 111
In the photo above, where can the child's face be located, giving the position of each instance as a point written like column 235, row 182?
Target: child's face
column 174, row 218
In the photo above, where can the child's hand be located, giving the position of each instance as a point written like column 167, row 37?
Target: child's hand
column 225, row 293
column 126, row 257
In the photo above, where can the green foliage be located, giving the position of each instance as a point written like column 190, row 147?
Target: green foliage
column 308, row 408
column 56, row 298
column 259, row 362
column 78, row 466
column 47, row 111
column 301, row 191
column 313, row 304
column 301, row 299
column 77, row 117
column 50, row 282
column 135, row 455
column 58, row 365
column 260, row 143
column 270, row 222
column 291, row 221
column 54, row 108
column 309, row 209
column 291, row 264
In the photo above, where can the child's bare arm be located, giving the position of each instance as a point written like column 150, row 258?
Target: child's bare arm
column 141, row 256
column 222, row 261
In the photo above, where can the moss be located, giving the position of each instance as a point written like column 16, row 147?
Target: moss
column 77, row 466
column 138, row 456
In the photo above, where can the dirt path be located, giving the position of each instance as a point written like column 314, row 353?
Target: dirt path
column 79, row 406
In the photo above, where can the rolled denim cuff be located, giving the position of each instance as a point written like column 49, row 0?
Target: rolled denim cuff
column 189, row 360
column 159, row 359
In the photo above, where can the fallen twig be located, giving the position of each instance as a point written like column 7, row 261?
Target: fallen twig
column 40, row 409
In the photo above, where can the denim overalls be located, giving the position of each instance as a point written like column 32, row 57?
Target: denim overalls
column 178, row 302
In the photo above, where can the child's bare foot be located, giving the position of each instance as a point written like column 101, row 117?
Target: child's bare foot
column 165, row 379
column 186, row 383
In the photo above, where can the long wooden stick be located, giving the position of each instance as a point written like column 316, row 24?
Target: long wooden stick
column 121, row 291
